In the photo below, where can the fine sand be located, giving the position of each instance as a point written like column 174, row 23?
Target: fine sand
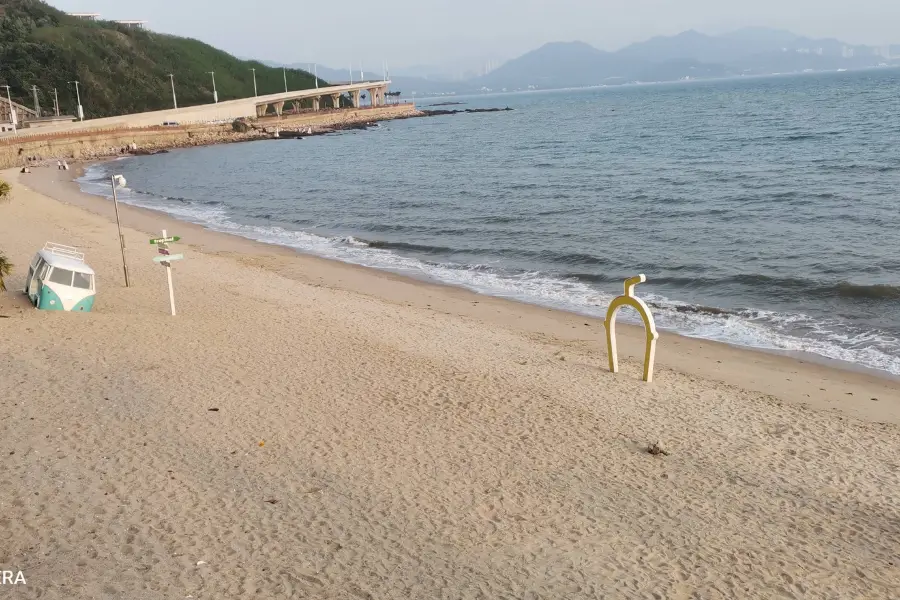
column 378, row 437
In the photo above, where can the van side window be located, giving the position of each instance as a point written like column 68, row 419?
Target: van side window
column 42, row 270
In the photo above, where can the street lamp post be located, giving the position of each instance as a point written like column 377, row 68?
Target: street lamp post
column 174, row 99
column 37, row 105
column 78, row 95
column 12, row 111
column 118, row 179
column 255, row 93
column 215, row 93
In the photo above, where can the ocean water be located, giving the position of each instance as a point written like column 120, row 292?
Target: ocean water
column 764, row 212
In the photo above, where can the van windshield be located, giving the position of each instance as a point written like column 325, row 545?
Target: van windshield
column 83, row 281
column 61, row 276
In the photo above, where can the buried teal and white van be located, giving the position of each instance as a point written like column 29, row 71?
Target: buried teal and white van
column 59, row 279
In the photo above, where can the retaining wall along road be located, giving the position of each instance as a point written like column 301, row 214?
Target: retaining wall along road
column 101, row 143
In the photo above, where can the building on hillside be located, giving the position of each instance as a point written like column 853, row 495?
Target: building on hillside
column 136, row 24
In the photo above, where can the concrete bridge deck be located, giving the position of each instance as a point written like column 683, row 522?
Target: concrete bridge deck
column 375, row 89
column 222, row 111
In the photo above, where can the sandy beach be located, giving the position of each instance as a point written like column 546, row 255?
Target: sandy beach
column 310, row 429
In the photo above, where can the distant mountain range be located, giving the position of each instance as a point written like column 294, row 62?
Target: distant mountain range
column 687, row 55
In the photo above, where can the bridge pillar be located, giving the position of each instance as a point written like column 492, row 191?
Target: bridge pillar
column 373, row 96
column 261, row 110
column 316, row 101
column 279, row 107
column 296, row 105
column 336, row 100
column 355, row 96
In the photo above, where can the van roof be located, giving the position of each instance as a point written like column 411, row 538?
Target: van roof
column 65, row 262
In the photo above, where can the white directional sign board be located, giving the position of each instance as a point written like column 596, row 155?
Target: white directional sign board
column 167, row 258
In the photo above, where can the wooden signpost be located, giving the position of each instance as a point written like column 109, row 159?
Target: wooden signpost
column 165, row 258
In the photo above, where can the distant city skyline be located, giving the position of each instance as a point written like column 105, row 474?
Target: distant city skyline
column 469, row 36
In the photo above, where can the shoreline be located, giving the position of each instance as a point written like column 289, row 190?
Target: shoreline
column 61, row 186
column 103, row 144
column 94, row 144
column 799, row 355
column 310, row 428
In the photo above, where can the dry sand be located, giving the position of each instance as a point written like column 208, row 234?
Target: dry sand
column 378, row 437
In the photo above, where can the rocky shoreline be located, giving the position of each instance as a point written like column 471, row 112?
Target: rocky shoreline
column 442, row 112
column 90, row 146
column 288, row 133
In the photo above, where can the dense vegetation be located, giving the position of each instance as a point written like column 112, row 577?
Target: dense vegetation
column 5, row 269
column 121, row 70
column 5, row 265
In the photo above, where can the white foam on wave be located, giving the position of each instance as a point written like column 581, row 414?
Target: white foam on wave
column 760, row 329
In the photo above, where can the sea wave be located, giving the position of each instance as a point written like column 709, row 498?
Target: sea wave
column 544, row 256
column 798, row 137
column 787, row 287
column 576, row 292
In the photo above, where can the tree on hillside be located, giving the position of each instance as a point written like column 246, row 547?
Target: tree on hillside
column 5, row 269
column 5, row 265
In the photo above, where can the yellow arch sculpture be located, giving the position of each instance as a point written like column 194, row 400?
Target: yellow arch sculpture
column 629, row 299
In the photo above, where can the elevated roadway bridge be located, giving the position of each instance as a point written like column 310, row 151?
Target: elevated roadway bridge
column 228, row 110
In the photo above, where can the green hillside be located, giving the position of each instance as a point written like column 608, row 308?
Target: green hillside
column 121, row 70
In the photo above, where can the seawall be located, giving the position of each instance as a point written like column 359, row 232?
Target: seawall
column 101, row 143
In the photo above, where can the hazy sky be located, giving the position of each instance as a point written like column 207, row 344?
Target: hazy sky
column 458, row 32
